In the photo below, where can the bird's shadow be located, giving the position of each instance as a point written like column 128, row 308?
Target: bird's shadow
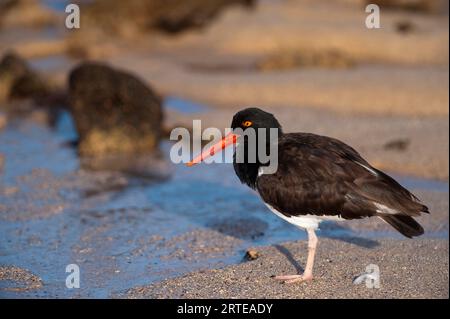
column 358, row 241
column 335, row 231
column 332, row 231
column 290, row 258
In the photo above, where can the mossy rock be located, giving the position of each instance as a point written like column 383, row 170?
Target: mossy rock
column 114, row 111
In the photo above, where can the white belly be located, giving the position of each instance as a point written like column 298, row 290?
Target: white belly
column 304, row 221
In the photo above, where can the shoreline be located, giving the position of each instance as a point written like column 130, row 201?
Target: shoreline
column 408, row 269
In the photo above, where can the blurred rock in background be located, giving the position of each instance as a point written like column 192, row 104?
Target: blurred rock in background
column 114, row 111
column 286, row 60
column 26, row 93
column 171, row 16
column 25, row 13
column 419, row 6
column 18, row 80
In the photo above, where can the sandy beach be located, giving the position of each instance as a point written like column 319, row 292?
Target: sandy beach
column 403, row 264
column 161, row 230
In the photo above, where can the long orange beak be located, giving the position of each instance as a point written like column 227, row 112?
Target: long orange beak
column 229, row 139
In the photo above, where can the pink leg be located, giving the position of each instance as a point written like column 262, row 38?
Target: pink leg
column 307, row 275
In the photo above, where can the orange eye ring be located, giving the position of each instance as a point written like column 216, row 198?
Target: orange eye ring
column 247, row 123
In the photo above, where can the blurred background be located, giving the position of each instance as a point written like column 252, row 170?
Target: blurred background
column 86, row 113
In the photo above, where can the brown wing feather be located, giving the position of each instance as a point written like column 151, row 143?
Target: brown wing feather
column 322, row 176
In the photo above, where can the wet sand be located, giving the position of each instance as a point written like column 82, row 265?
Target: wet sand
column 124, row 233
column 408, row 269
column 21, row 279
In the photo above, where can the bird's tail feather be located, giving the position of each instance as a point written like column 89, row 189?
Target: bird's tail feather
column 406, row 225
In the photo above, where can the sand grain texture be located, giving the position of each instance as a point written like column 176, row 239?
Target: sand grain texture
column 408, row 269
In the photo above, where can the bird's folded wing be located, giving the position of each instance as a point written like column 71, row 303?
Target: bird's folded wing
column 323, row 176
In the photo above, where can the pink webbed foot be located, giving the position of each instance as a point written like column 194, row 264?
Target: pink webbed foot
column 290, row 279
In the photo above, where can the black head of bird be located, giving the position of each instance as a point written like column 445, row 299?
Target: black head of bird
column 254, row 118
column 250, row 119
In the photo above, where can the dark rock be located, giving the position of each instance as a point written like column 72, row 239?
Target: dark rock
column 404, row 26
column 170, row 16
column 400, row 144
column 29, row 85
column 114, row 112
column 12, row 67
column 27, row 93
column 286, row 60
column 183, row 14
column 18, row 80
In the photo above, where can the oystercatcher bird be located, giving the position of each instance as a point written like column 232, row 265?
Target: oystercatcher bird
column 318, row 178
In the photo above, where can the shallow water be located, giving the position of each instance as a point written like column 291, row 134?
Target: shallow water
column 50, row 63
column 411, row 182
column 127, row 231
column 184, row 106
column 59, row 5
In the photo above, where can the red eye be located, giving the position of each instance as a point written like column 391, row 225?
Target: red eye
column 247, row 123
